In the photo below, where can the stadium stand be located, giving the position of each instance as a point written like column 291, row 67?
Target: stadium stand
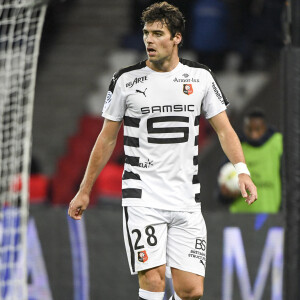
column 71, row 165
column 39, row 185
column 77, row 53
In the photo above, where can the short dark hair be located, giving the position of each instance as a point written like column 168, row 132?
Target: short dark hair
column 256, row 113
column 165, row 13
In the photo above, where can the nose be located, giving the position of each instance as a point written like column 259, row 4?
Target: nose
column 148, row 39
column 255, row 135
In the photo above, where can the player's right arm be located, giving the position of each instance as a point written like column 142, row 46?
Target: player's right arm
column 100, row 155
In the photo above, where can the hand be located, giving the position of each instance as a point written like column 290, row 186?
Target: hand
column 248, row 189
column 78, row 205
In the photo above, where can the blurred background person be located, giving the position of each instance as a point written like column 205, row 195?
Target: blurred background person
column 210, row 32
column 262, row 147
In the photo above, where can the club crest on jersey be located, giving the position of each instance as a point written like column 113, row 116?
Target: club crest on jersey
column 142, row 256
column 188, row 89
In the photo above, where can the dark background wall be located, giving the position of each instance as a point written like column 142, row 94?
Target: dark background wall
column 108, row 266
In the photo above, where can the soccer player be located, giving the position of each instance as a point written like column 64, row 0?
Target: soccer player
column 160, row 100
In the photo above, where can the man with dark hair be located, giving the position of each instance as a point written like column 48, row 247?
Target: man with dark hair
column 160, row 101
column 170, row 15
column 262, row 147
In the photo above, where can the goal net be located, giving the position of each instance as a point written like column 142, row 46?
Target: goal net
column 21, row 24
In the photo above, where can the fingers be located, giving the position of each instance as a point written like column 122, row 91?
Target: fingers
column 248, row 189
column 252, row 197
column 70, row 206
column 243, row 190
column 75, row 211
column 71, row 210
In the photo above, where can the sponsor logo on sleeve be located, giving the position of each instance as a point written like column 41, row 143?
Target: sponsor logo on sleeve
column 108, row 97
column 218, row 93
column 107, row 100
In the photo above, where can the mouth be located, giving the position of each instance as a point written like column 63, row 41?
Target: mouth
column 151, row 51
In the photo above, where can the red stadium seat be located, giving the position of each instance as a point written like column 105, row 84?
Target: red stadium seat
column 63, row 190
column 38, row 188
column 109, row 182
column 79, row 148
column 90, row 126
column 204, row 132
column 71, row 166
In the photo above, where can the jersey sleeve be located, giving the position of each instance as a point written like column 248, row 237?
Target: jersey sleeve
column 114, row 105
column 214, row 101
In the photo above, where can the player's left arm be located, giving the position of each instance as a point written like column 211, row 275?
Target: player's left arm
column 232, row 148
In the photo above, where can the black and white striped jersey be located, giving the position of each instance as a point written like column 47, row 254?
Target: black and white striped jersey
column 161, row 112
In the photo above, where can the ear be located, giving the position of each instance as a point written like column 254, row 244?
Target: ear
column 177, row 38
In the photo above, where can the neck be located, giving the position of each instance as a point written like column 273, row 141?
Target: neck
column 165, row 65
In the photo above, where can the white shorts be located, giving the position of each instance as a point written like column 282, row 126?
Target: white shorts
column 154, row 237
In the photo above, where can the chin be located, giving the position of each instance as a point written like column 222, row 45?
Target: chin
column 155, row 59
column 152, row 59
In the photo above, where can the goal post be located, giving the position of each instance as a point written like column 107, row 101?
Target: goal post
column 21, row 23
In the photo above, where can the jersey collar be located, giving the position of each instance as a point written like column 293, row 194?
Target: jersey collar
column 175, row 70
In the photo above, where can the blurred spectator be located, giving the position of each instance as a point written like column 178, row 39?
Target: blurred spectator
column 262, row 147
column 209, row 32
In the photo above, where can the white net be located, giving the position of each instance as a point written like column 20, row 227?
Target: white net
column 21, row 24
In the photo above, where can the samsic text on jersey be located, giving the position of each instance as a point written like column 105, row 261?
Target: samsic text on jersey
column 161, row 112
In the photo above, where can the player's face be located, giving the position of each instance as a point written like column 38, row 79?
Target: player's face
column 254, row 128
column 160, row 45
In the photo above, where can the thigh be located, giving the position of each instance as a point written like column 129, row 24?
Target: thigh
column 186, row 246
column 145, row 236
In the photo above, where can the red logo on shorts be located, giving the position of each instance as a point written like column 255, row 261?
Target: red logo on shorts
column 142, row 256
column 187, row 89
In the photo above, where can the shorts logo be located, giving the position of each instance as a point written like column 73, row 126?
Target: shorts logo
column 142, row 256
column 188, row 89
column 200, row 244
column 200, row 251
